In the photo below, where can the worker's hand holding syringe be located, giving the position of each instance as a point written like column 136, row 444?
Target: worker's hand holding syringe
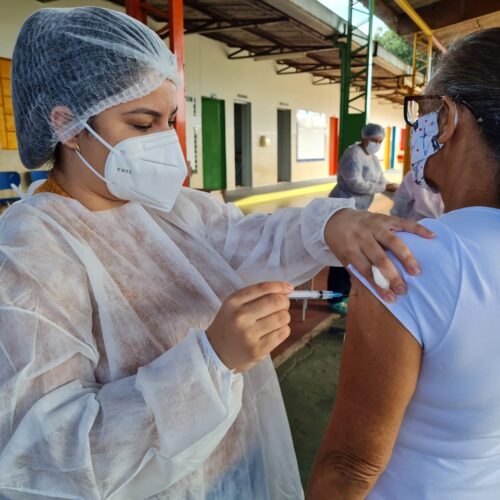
column 254, row 320
column 250, row 324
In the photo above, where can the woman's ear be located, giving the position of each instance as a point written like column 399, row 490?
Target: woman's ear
column 59, row 116
column 448, row 120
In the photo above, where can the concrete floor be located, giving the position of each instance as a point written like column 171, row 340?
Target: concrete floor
column 295, row 198
column 308, row 383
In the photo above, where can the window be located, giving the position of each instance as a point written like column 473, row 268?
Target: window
column 7, row 129
column 311, row 135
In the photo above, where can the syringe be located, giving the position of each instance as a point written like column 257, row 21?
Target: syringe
column 314, row 294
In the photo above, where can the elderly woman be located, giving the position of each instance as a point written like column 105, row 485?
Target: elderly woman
column 417, row 414
column 136, row 326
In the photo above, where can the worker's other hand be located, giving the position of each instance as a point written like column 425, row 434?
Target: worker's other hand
column 391, row 187
column 360, row 238
column 250, row 324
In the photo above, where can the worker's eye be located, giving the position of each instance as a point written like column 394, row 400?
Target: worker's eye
column 171, row 123
column 143, row 128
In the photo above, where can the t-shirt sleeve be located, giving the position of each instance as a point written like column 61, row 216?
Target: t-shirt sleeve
column 428, row 307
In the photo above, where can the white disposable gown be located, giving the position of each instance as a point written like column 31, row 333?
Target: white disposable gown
column 108, row 388
column 360, row 176
column 415, row 202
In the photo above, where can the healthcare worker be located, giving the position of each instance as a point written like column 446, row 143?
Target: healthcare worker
column 414, row 202
column 136, row 315
column 360, row 177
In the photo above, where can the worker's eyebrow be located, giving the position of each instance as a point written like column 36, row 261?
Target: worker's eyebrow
column 174, row 111
column 144, row 111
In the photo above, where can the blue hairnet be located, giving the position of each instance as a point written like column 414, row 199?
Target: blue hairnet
column 87, row 59
column 372, row 130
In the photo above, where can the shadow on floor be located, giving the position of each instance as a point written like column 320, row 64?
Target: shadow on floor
column 308, row 382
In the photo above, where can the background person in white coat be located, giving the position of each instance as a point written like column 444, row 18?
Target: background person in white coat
column 360, row 176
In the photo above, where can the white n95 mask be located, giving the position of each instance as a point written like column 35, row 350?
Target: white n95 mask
column 372, row 147
column 149, row 169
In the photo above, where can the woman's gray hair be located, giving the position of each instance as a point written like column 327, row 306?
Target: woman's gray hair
column 470, row 71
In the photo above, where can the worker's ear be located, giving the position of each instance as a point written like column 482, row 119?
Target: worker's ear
column 448, row 120
column 59, row 117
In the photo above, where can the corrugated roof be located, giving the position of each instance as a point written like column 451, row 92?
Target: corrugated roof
column 297, row 34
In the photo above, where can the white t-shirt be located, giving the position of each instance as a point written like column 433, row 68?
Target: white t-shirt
column 448, row 446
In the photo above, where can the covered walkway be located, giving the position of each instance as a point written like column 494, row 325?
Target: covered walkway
column 267, row 199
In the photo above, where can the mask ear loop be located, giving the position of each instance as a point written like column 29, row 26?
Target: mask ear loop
column 85, row 162
column 89, row 166
column 100, row 139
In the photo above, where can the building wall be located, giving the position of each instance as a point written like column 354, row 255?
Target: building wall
column 210, row 73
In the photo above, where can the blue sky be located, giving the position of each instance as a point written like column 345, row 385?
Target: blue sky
column 341, row 7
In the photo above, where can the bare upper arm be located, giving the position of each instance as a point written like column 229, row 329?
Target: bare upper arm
column 378, row 375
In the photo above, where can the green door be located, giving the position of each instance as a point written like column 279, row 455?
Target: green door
column 214, row 144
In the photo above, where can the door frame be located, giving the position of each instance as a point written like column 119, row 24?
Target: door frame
column 284, row 151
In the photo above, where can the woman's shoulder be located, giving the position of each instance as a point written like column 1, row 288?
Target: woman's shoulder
column 428, row 307
column 37, row 265
column 440, row 260
column 31, row 237
column 354, row 150
column 443, row 244
column 31, row 214
column 461, row 235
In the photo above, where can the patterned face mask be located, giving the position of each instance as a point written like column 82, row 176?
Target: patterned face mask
column 424, row 143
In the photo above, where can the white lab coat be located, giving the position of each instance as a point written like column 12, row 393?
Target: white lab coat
column 359, row 176
column 108, row 386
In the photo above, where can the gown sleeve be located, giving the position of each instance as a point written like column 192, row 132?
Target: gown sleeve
column 288, row 244
column 403, row 199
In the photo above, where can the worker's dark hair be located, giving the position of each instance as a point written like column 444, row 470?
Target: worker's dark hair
column 470, row 71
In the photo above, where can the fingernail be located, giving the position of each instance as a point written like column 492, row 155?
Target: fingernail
column 401, row 289
column 290, row 287
column 390, row 297
column 414, row 269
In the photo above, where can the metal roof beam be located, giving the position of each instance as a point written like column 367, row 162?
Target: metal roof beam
column 215, row 26
column 254, row 31
column 306, row 52
column 447, row 12
column 417, row 19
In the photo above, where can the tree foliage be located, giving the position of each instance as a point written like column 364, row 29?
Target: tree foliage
column 395, row 45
